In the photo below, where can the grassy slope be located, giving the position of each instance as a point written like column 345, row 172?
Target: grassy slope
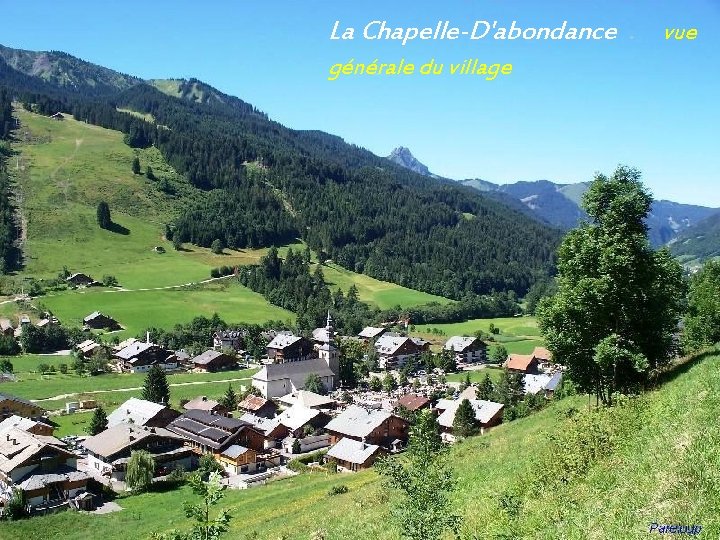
column 667, row 471
column 517, row 334
column 380, row 293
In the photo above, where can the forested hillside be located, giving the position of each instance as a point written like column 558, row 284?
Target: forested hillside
column 267, row 184
column 9, row 254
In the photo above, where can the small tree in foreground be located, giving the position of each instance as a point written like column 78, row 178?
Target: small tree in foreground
column 204, row 527
column 314, row 384
column 424, row 481
column 98, row 423
column 140, row 470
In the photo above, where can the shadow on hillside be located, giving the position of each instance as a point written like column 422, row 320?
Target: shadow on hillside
column 118, row 229
column 680, row 368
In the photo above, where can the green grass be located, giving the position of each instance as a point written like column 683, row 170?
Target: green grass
column 71, row 424
column 139, row 310
column 667, row 469
column 383, row 294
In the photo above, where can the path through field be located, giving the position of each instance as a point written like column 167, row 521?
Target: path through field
column 68, row 396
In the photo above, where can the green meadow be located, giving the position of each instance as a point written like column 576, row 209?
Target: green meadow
column 665, row 468
column 383, row 294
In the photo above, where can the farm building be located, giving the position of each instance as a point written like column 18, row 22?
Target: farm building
column 467, row 349
column 80, row 280
column 13, row 405
column 259, row 406
column 352, row 455
column 140, row 412
column 372, row 426
column 98, row 321
column 212, row 360
column 395, row 350
column 139, row 357
column 487, row 413
column 109, row 451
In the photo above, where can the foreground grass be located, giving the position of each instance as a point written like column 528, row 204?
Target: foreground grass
column 667, row 469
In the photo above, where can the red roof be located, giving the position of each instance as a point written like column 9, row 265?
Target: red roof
column 519, row 362
column 542, row 354
column 413, row 402
column 252, row 403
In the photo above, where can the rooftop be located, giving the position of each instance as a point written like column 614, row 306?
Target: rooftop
column 352, row 451
column 357, row 421
column 135, row 411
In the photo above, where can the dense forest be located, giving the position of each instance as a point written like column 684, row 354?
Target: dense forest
column 9, row 253
column 268, row 184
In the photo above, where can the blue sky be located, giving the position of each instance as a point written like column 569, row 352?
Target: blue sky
column 568, row 109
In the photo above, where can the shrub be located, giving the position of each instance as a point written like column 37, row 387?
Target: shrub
column 338, row 490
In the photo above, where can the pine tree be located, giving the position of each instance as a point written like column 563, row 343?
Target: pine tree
column 230, row 399
column 156, row 387
column 99, row 422
column 486, row 388
column 149, row 173
column 103, row 215
column 136, row 166
column 465, row 423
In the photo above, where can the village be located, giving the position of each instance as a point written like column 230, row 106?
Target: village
column 295, row 413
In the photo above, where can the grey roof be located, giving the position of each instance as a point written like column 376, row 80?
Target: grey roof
column 265, row 425
column 62, row 474
column 306, row 399
column 234, row 451
column 356, row 421
column 459, row 343
column 201, row 403
column 371, row 332
column 93, row 315
column 297, row 372
column 18, row 446
column 19, row 422
column 282, row 341
column 555, row 380
column 389, row 343
column 352, row 451
column 133, row 350
column 120, row 437
column 135, row 411
column 484, row 411
column 535, row 383
column 297, row 416
column 207, row 357
column 209, row 429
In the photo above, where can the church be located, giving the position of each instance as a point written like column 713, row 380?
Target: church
column 285, row 375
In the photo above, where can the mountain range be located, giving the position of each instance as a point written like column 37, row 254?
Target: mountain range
column 688, row 229
column 264, row 184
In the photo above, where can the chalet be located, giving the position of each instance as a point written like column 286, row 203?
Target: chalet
column 542, row 355
column 209, row 433
column 139, row 357
column 259, row 406
column 271, row 428
column 286, row 347
column 297, row 417
column 202, row 403
column 58, row 116
column 98, row 321
column 237, row 459
column 6, row 327
column 370, row 333
column 109, row 451
column 212, row 360
column 275, row 380
column 412, row 402
column 140, row 412
column 87, row 348
column 305, row 398
column 545, row 383
column 521, row 363
column 42, row 468
column 229, row 339
column 12, row 405
column 395, row 350
column 80, row 280
column 36, row 427
column 352, row 455
column 372, row 426
column 307, row 444
column 487, row 413
column 467, row 349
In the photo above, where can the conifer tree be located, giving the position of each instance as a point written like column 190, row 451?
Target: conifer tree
column 156, row 388
column 136, row 165
column 99, row 422
column 465, row 423
column 103, row 215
